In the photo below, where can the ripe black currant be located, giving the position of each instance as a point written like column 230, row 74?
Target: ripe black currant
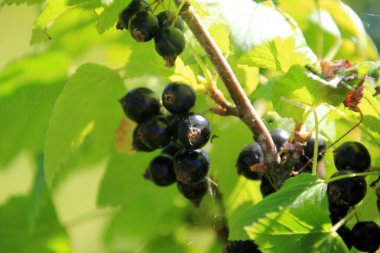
column 365, row 236
column 194, row 192
column 167, row 18
column 140, row 104
column 249, row 156
column 303, row 165
column 178, row 98
column 193, row 131
column 137, row 144
column 266, row 187
column 171, row 150
column 337, row 212
column 143, row 26
column 161, row 171
column 348, row 191
column 134, row 7
column 345, row 233
column 154, row 132
column 309, row 148
column 352, row 156
column 246, row 246
column 280, row 137
column 191, row 166
column 169, row 43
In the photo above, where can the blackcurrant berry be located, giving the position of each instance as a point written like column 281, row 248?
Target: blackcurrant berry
column 303, row 165
column 140, row 104
column 193, row 131
column 134, row 7
column 178, row 98
column 137, row 144
column 366, row 236
column 337, row 212
column 280, row 137
column 154, row 132
column 191, row 166
column 352, row 156
column 143, row 26
column 169, row 43
column 246, row 246
column 266, row 187
column 249, row 156
column 161, row 171
column 194, row 192
column 348, row 191
column 309, row 148
column 171, row 150
column 167, row 18
column 345, row 233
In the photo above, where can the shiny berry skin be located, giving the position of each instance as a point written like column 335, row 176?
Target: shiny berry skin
column 352, row 156
column 140, row 104
column 161, row 171
column 246, row 246
column 191, row 166
column 345, row 233
column 178, row 98
column 169, row 43
column 166, row 18
column 134, row 7
column 171, row 150
column 348, row 191
column 249, row 156
column 365, row 236
column 266, row 188
column 194, row 192
column 143, row 26
column 309, row 148
column 154, row 132
column 193, row 131
column 137, row 144
column 280, row 137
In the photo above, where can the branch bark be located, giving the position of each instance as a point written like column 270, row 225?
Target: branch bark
column 246, row 112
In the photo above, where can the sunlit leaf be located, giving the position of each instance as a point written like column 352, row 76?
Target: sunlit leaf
column 86, row 110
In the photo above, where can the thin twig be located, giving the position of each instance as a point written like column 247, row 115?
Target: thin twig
column 244, row 107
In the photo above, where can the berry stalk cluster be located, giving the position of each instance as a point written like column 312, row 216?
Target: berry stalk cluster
column 180, row 134
column 166, row 28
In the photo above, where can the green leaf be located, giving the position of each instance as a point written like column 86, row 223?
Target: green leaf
column 265, row 37
column 123, row 185
column 303, row 195
column 86, row 112
column 33, row 70
column 283, row 232
column 27, row 106
column 299, row 90
column 52, row 9
column 29, row 224
column 253, row 24
column 110, row 15
column 18, row 2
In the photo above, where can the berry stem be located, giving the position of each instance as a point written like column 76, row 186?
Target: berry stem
column 368, row 173
column 316, row 141
column 245, row 109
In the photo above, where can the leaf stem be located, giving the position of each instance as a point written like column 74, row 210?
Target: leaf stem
column 245, row 109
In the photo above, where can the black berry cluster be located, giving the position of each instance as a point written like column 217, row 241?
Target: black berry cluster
column 166, row 28
column 251, row 160
column 180, row 134
column 352, row 157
